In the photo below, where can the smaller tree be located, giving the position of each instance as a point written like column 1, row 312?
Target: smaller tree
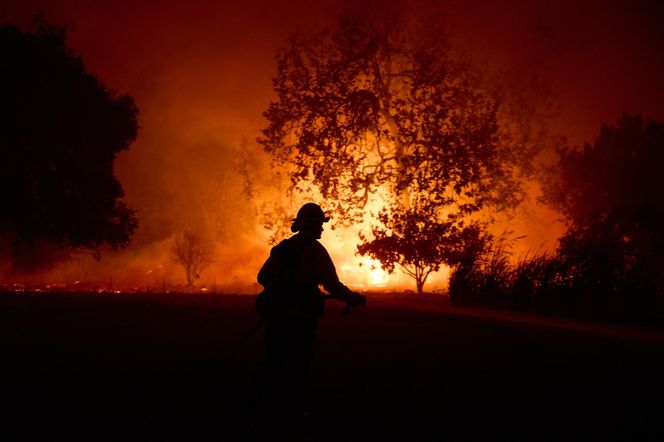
column 418, row 240
column 193, row 251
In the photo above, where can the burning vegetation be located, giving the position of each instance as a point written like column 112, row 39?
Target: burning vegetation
column 420, row 153
column 382, row 115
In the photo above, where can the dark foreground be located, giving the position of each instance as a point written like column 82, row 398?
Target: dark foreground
column 158, row 367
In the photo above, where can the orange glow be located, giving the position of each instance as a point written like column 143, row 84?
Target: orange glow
column 201, row 88
column 364, row 273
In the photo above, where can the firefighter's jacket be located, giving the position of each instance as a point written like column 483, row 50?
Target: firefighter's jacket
column 293, row 273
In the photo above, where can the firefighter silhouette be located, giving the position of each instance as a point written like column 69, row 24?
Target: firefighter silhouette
column 291, row 303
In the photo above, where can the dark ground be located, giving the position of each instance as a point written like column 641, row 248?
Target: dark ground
column 157, row 367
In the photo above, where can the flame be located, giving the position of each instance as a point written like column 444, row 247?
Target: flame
column 377, row 276
column 362, row 272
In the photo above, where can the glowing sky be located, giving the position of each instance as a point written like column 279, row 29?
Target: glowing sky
column 201, row 71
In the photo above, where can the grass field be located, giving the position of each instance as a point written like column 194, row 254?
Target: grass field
column 158, row 367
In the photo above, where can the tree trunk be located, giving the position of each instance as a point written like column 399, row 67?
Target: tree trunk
column 420, row 286
column 190, row 277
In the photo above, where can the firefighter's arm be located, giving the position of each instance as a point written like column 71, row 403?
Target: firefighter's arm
column 337, row 290
column 343, row 293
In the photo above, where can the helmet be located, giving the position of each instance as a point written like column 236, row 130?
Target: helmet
column 310, row 212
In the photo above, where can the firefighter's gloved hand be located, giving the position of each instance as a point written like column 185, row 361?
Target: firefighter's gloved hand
column 356, row 300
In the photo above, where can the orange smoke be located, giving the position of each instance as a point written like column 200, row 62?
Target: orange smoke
column 201, row 76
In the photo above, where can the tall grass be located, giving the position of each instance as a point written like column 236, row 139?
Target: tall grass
column 548, row 283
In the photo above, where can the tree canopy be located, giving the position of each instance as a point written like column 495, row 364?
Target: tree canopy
column 60, row 131
column 610, row 194
column 378, row 106
column 417, row 241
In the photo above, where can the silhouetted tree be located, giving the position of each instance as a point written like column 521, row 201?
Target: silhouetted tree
column 417, row 241
column 194, row 251
column 379, row 105
column 60, row 130
column 611, row 196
